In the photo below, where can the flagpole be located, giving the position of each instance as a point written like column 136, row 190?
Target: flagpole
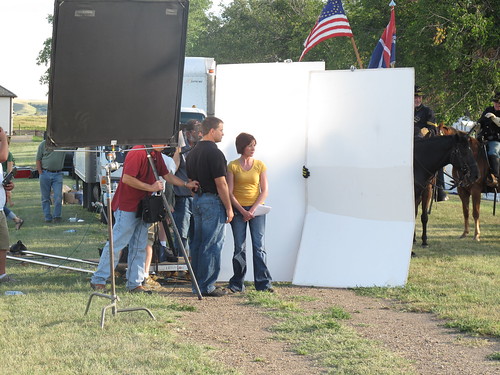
column 392, row 4
column 356, row 52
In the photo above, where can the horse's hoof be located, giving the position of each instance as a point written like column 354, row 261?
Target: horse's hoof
column 413, row 255
column 463, row 236
column 424, row 245
column 477, row 239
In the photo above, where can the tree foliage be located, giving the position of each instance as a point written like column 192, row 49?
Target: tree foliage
column 453, row 45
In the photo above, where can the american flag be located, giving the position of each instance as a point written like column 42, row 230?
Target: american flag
column 332, row 22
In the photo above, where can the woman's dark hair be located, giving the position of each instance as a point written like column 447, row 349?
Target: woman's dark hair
column 242, row 141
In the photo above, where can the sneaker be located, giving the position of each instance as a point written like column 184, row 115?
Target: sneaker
column 98, row 287
column 217, row 292
column 7, row 279
column 19, row 224
column 140, row 289
column 56, row 220
column 233, row 290
column 172, row 259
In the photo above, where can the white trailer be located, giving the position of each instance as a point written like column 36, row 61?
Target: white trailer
column 198, row 84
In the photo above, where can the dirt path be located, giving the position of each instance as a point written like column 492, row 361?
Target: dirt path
column 243, row 341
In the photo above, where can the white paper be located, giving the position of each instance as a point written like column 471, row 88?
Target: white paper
column 262, row 209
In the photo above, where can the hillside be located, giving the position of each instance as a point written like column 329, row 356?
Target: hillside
column 29, row 108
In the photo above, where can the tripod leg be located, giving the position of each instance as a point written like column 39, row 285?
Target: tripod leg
column 176, row 231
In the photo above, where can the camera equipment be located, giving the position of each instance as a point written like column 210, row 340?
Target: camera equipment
column 169, row 151
column 9, row 176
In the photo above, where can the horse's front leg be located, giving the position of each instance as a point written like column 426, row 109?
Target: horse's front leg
column 476, row 205
column 424, row 218
column 416, row 215
column 464, row 195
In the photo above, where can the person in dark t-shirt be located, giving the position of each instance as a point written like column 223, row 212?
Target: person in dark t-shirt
column 211, row 206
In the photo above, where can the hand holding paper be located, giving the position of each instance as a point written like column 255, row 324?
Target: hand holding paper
column 262, row 210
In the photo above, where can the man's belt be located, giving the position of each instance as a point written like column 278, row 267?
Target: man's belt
column 48, row 170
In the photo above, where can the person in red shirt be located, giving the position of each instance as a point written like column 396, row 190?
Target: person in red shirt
column 136, row 182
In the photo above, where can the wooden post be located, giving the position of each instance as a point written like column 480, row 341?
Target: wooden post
column 356, row 52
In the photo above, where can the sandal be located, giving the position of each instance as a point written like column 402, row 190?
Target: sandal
column 19, row 224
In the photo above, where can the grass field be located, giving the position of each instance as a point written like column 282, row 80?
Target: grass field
column 45, row 331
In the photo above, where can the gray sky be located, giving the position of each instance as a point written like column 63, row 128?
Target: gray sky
column 24, row 29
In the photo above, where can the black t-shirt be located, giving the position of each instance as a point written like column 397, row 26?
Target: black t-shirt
column 423, row 115
column 204, row 164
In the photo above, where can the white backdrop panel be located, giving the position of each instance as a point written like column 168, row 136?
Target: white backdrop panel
column 269, row 101
column 359, row 223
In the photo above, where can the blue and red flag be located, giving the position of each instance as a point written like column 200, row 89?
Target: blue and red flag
column 384, row 55
column 332, row 22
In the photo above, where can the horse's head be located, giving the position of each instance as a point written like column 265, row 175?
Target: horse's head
column 446, row 130
column 463, row 160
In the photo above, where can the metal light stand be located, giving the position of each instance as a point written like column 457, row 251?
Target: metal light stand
column 176, row 231
column 110, row 167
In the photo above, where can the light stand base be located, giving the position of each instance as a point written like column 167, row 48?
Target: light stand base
column 114, row 307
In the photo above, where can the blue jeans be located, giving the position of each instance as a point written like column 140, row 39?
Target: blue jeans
column 184, row 221
column 54, row 181
column 8, row 213
column 494, row 148
column 209, row 233
column 132, row 231
column 261, row 275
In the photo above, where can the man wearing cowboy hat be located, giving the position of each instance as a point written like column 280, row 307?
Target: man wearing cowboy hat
column 425, row 122
column 423, row 116
column 490, row 133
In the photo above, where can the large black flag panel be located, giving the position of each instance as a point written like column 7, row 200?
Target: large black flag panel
column 116, row 71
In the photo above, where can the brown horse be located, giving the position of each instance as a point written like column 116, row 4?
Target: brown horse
column 474, row 189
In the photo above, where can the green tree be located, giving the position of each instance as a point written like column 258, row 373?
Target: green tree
column 454, row 45
column 270, row 31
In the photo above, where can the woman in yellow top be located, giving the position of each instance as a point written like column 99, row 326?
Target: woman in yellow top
column 248, row 188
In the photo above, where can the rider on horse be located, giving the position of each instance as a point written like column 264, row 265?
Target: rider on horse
column 490, row 134
column 425, row 123
column 424, row 120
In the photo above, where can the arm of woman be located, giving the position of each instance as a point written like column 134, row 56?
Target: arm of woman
column 264, row 190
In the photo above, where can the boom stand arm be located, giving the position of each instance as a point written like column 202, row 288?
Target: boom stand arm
column 176, row 231
column 110, row 167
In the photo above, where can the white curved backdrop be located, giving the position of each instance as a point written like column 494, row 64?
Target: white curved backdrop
column 350, row 223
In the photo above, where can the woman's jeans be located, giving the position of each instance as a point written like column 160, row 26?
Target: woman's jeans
column 261, row 274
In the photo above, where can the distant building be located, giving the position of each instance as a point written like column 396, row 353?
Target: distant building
column 6, row 109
